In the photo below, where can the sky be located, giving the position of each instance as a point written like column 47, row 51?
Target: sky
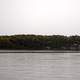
column 41, row 17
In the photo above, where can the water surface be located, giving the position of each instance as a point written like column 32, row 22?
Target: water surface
column 39, row 66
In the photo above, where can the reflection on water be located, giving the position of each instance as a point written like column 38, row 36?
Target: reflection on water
column 40, row 66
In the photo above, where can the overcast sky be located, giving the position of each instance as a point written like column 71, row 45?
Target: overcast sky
column 60, row 17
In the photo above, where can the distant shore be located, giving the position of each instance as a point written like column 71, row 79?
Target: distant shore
column 39, row 51
column 49, row 43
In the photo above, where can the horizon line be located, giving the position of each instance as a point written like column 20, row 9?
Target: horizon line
column 37, row 34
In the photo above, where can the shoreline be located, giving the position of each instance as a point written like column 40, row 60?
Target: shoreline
column 39, row 51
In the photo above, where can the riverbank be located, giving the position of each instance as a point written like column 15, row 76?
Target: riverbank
column 40, row 42
column 38, row 51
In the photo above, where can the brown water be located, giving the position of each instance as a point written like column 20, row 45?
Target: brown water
column 40, row 66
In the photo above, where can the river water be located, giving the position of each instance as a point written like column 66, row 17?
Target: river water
column 39, row 66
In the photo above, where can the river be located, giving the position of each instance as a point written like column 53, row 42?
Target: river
column 39, row 66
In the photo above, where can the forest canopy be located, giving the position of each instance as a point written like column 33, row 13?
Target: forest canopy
column 40, row 42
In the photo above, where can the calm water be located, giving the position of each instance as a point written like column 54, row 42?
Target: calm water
column 40, row 66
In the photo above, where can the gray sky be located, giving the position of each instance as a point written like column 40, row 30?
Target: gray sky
column 40, row 17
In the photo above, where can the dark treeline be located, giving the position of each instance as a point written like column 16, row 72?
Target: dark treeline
column 39, row 42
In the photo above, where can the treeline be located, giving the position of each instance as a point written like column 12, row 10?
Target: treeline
column 40, row 42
